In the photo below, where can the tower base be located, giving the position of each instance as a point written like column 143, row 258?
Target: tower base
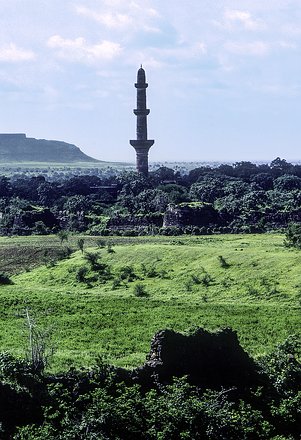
column 142, row 149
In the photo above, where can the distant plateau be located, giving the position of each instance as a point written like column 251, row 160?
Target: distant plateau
column 18, row 148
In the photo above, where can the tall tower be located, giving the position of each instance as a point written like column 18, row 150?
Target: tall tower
column 141, row 144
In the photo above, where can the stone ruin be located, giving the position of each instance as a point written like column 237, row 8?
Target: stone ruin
column 191, row 214
column 210, row 360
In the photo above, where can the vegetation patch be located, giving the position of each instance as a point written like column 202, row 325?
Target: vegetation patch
column 90, row 297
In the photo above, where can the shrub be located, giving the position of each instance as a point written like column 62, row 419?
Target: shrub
column 104, row 272
column 195, row 279
column 163, row 274
column 171, row 231
column 93, row 259
column 149, row 271
column 40, row 228
column 100, row 243
column 81, row 274
column 223, row 263
column 206, row 279
column 139, row 290
column 188, row 285
column 4, row 279
column 110, row 250
column 252, row 291
column 63, row 236
column 116, row 283
column 283, row 366
column 66, row 252
column 293, row 235
column 81, row 244
column 127, row 273
column 50, row 263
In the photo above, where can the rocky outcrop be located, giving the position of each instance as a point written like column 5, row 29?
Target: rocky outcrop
column 210, row 360
column 19, row 148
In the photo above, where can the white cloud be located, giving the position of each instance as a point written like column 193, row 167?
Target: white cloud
column 79, row 50
column 152, row 29
column 152, row 12
column 122, row 15
column 256, row 48
column 234, row 17
column 108, row 19
column 12, row 54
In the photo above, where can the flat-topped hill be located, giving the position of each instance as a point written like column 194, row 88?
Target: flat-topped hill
column 18, row 148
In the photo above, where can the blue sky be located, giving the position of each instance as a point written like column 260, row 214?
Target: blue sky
column 224, row 76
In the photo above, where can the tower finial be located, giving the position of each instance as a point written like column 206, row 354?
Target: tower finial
column 140, row 66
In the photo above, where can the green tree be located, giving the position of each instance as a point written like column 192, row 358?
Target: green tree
column 293, row 235
column 207, row 190
column 81, row 244
column 63, row 236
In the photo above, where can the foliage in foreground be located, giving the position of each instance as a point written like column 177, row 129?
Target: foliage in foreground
column 293, row 236
column 96, row 404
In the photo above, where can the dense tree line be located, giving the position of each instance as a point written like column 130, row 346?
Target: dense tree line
column 246, row 197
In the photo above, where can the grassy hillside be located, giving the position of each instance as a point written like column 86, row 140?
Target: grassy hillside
column 249, row 282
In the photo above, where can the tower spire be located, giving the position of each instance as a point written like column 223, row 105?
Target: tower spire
column 141, row 144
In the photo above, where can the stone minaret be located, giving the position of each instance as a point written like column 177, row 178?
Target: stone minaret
column 141, row 144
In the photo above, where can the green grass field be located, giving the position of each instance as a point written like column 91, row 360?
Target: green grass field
column 254, row 288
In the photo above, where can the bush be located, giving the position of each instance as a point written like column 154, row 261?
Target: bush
column 81, row 244
column 188, row 285
column 63, row 236
column 4, row 279
column 116, row 283
column 171, row 231
column 127, row 273
column 293, row 236
column 100, row 243
column 65, row 253
column 223, row 263
column 140, row 291
column 81, row 274
column 93, row 259
column 149, row 272
column 206, row 279
column 110, row 250
column 104, row 272
column 283, row 366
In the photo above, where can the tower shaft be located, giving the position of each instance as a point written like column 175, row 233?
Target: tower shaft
column 141, row 143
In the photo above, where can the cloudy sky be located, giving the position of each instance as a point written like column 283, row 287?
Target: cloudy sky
column 224, row 75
